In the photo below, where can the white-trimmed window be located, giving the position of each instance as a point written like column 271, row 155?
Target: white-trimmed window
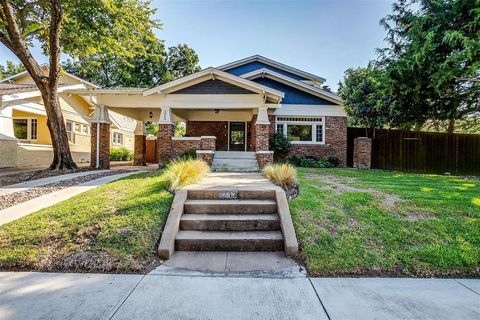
column 25, row 128
column 117, row 138
column 70, row 134
column 302, row 130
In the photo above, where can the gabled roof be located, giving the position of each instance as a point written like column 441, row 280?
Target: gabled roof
column 11, row 79
column 11, row 88
column 272, row 63
column 212, row 73
column 267, row 73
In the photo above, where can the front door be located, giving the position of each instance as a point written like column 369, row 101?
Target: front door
column 237, row 136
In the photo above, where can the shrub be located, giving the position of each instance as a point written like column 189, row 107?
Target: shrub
column 284, row 175
column 280, row 145
column 312, row 162
column 121, row 154
column 190, row 154
column 180, row 173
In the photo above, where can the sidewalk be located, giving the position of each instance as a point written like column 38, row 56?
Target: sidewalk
column 100, row 296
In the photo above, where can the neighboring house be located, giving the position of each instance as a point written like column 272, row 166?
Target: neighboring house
column 231, row 108
column 24, row 135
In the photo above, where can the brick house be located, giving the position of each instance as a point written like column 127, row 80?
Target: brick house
column 232, row 108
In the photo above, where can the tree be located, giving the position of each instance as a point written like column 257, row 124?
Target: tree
column 108, row 69
column 181, row 61
column 364, row 97
column 433, row 60
column 147, row 68
column 10, row 69
column 78, row 28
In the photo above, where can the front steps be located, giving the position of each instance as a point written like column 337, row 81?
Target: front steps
column 235, row 161
column 246, row 224
column 230, row 220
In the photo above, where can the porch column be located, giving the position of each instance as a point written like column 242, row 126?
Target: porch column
column 100, row 139
column 140, row 144
column 262, row 131
column 165, row 135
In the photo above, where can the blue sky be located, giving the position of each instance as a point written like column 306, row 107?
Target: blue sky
column 321, row 37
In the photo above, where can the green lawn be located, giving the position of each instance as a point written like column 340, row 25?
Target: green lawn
column 353, row 222
column 113, row 228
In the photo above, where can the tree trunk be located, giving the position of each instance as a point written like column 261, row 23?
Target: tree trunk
column 451, row 126
column 62, row 158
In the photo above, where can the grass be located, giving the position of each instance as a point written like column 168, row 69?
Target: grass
column 352, row 222
column 113, row 228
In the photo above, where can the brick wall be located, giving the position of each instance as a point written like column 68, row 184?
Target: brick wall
column 362, row 153
column 219, row 129
column 335, row 142
column 164, row 141
column 251, row 126
column 104, row 150
column 185, row 144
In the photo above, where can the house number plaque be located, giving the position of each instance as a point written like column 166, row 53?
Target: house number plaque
column 227, row 195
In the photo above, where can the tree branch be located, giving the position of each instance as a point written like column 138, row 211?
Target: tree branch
column 18, row 46
column 55, row 29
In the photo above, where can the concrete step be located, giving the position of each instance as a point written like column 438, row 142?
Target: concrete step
column 229, row 241
column 230, row 206
column 239, row 169
column 234, row 155
column 230, row 222
column 235, row 162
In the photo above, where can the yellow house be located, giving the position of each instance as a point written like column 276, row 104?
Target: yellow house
column 24, row 135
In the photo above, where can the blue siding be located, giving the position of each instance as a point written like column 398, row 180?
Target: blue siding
column 252, row 66
column 292, row 95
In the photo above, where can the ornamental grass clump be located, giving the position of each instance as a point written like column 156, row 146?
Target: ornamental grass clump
column 180, row 173
column 283, row 175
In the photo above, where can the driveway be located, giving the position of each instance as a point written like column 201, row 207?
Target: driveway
column 205, row 296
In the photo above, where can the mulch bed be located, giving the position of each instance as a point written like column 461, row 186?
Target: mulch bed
column 35, row 175
column 15, row 198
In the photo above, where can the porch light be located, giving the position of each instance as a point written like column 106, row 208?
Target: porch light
column 150, row 114
column 216, row 110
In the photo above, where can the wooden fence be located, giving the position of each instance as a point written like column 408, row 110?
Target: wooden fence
column 423, row 152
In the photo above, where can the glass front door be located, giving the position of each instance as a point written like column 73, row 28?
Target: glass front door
column 237, row 136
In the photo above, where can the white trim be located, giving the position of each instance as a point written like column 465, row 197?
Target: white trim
column 264, row 152
column 208, row 137
column 36, row 93
column 212, row 73
column 29, row 128
column 113, row 139
column 23, row 73
column 186, row 138
column 272, row 63
column 228, row 128
column 263, row 72
column 312, row 110
column 314, row 125
column 205, row 151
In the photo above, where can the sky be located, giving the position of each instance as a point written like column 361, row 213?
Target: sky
column 318, row 36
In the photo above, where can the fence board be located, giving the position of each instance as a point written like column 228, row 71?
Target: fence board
column 423, row 152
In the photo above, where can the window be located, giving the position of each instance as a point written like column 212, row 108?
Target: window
column 78, row 127
column 25, row 128
column 85, row 129
column 70, row 133
column 306, row 130
column 117, row 138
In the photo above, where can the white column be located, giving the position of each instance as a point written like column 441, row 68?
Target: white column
column 165, row 116
column 262, row 116
column 6, row 123
column 101, row 114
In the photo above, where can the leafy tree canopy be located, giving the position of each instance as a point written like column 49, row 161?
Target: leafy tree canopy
column 10, row 69
column 363, row 93
column 147, row 68
column 433, row 60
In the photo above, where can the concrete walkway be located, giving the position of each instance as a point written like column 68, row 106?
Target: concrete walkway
column 17, row 187
column 28, row 207
column 100, row 296
column 225, row 180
